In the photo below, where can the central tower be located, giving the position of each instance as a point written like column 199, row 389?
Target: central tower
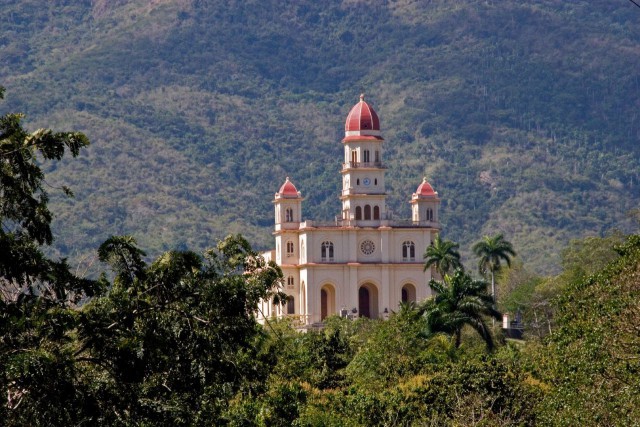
column 363, row 192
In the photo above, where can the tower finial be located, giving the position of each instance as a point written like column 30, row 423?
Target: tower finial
column 362, row 97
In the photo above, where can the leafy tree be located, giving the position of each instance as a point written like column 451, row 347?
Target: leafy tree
column 534, row 296
column 392, row 350
column 460, row 301
column 589, row 363
column 173, row 341
column 25, row 218
column 444, row 255
column 168, row 343
column 38, row 295
column 492, row 251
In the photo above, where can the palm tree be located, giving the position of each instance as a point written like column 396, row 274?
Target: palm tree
column 492, row 250
column 443, row 254
column 459, row 301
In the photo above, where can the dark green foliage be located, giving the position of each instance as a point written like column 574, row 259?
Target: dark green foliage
column 166, row 344
column 389, row 374
column 177, row 339
column 590, row 361
column 395, row 349
column 532, row 295
column 28, row 279
column 460, row 301
column 314, row 357
column 38, row 295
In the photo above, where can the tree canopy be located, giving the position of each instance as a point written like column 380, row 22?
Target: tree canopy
column 443, row 255
column 460, row 301
column 492, row 251
column 174, row 340
column 166, row 343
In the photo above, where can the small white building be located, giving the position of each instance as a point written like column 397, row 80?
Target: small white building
column 364, row 263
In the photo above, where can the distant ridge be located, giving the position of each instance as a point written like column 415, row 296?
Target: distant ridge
column 523, row 116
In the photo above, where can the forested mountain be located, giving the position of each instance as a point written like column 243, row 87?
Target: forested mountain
column 524, row 116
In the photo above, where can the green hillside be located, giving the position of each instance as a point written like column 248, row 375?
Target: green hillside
column 523, row 116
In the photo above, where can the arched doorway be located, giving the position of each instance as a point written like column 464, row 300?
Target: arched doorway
column 327, row 301
column 368, row 301
column 408, row 293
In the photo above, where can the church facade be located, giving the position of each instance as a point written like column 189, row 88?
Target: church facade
column 365, row 263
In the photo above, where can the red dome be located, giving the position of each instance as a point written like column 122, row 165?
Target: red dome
column 425, row 189
column 362, row 121
column 288, row 190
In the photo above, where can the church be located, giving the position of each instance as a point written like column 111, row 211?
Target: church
column 365, row 262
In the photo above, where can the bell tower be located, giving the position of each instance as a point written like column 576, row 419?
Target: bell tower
column 363, row 188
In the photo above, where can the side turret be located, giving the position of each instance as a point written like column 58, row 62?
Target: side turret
column 425, row 204
column 288, row 207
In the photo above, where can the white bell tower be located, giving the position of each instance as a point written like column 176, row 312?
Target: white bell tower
column 363, row 188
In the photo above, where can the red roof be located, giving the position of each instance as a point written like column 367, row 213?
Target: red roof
column 362, row 118
column 288, row 190
column 425, row 189
column 362, row 138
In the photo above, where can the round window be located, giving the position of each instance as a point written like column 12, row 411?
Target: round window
column 367, row 247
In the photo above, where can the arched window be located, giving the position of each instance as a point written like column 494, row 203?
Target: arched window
column 377, row 156
column 367, row 212
column 291, row 306
column 408, row 251
column 358, row 212
column 429, row 214
column 375, row 181
column 358, row 181
column 288, row 213
column 354, row 158
column 289, row 248
column 290, row 281
column 327, row 251
column 366, row 156
column 376, row 212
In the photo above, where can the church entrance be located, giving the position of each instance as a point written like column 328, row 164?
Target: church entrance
column 323, row 304
column 363, row 302
column 408, row 293
column 368, row 301
column 327, row 301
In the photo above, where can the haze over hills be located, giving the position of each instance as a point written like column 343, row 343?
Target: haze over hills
column 524, row 117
